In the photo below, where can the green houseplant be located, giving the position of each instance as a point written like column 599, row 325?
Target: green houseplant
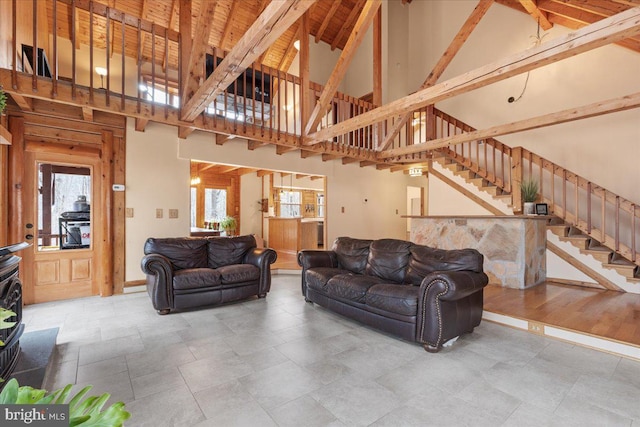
column 83, row 411
column 229, row 224
column 3, row 100
column 529, row 190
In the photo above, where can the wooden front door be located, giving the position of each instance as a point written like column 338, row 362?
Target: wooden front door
column 62, row 200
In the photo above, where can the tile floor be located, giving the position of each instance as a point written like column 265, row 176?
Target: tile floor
column 280, row 361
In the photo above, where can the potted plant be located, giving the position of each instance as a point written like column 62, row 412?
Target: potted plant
column 83, row 411
column 229, row 224
column 3, row 100
column 529, row 190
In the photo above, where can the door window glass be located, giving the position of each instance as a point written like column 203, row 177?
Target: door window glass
column 64, row 201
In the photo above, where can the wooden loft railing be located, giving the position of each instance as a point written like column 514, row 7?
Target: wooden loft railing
column 607, row 218
column 140, row 59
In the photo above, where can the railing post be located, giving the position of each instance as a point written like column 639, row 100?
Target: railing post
column 516, row 179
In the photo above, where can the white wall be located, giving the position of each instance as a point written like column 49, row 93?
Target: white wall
column 603, row 149
column 155, row 178
column 444, row 200
column 158, row 177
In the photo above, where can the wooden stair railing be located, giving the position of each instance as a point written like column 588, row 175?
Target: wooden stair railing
column 607, row 224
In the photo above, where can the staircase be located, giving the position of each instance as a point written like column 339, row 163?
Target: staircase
column 471, row 170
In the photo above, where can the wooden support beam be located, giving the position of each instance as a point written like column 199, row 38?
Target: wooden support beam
column 305, row 93
column 196, row 57
column 306, row 153
column 597, row 277
column 172, row 17
column 342, row 65
column 277, row 17
column 601, row 33
column 347, row 22
column 347, row 160
column 25, row 104
column 105, row 282
column 87, row 114
column 185, row 131
column 281, row 149
column 185, row 45
column 377, row 74
column 383, row 166
column 365, row 163
column 252, row 145
column 539, row 16
column 301, row 175
column 223, row 139
column 454, row 47
column 260, row 173
column 572, row 114
column 141, row 124
column 5, row 136
column 326, row 20
column 283, row 65
column 328, row 157
column 227, row 25
column 316, row 177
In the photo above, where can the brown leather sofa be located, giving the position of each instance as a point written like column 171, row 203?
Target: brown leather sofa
column 418, row 293
column 188, row 272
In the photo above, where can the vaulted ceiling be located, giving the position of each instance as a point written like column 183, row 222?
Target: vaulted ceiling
column 331, row 21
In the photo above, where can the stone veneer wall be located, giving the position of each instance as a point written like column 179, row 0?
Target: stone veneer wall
column 513, row 247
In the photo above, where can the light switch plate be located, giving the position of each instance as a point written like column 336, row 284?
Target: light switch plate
column 173, row 213
column 128, row 212
column 159, row 213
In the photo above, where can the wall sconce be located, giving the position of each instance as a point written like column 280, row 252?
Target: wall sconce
column 101, row 71
column 415, row 172
column 296, row 44
column 195, row 180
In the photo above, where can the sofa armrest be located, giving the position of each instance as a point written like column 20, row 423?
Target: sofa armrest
column 262, row 258
column 313, row 258
column 453, row 285
column 449, row 304
column 159, row 280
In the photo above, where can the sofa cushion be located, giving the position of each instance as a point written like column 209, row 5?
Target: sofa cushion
column 194, row 278
column 317, row 277
column 351, row 287
column 399, row 299
column 352, row 254
column 425, row 260
column 183, row 252
column 238, row 273
column 228, row 250
column 388, row 259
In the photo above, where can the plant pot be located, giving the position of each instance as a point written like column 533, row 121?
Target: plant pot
column 529, row 208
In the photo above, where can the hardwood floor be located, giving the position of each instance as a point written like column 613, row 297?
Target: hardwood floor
column 602, row 313
column 286, row 261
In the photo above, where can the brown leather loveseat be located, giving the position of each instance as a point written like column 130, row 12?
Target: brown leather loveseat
column 418, row 293
column 187, row 272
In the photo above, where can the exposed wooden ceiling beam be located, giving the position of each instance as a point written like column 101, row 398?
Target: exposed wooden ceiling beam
column 454, row 47
column 306, row 153
column 141, row 124
column 185, row 131
column 281, row 149
column 610, row 30
column 539, row 16
column 200, row 43
column 277, row 17
column 347, row 160
column 227, row 25
column 632, row 43
column 316, row 177
column 282, row 66
column 342, row 65
column 25, row 104
column 172, row 23
column 252, row 145
column 328, row 157
column 327, row 19
column 87, row 114
column 223, row 139
column 347, row 23
column 260, row 173
column 564, row 116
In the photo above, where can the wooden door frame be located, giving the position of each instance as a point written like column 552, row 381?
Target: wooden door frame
column 17, row 197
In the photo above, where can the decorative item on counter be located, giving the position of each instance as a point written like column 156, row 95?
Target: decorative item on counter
column 529, row 189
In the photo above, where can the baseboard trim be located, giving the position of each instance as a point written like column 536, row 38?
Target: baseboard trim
column 611, row 346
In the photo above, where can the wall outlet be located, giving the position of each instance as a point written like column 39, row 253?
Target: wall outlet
column 173, row 213
column 536, row 328
column 128, row 212
column 159, row 213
